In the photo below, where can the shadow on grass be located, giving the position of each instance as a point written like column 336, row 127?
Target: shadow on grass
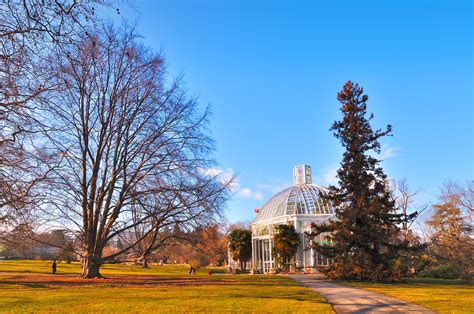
column 436, row 281
column 34, row 285
column 48, row 280
column 407, row 282
column 28, row 271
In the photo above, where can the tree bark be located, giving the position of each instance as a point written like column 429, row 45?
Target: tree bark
column 91, row 268
column 145, row 263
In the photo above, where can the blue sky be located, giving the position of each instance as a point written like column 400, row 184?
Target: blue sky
column 270, row 70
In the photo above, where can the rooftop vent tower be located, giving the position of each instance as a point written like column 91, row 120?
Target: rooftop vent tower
column 302, row 175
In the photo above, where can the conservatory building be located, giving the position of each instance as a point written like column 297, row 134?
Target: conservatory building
column 299, row 205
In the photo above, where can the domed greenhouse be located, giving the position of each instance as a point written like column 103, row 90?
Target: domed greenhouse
column 299, row 205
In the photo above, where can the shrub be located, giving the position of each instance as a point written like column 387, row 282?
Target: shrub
column 440, row 271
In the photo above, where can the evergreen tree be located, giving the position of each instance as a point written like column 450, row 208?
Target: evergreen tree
column 365, row 235
column 240, row 244
column 286, row 243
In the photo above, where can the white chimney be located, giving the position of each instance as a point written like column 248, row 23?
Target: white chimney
column 302, row 174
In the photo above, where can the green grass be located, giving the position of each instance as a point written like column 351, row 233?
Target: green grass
column 440, row 295
column 27, row 286
column 44, row 267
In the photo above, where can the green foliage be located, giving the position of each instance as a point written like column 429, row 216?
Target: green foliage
column 286, row 243
column 365, row 235
column 240, row 244
column 414, row 257
column 441, row 271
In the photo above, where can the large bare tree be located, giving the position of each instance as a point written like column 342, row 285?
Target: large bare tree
column 30, row 30
column 121, row 135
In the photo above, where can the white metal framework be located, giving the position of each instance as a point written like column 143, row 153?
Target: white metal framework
column 300, row 206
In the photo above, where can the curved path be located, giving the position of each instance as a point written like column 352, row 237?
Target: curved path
column 353, row 300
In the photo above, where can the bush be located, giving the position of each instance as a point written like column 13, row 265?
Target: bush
column 440, row 271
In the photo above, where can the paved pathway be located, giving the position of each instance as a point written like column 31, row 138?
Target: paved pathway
column 353, row 300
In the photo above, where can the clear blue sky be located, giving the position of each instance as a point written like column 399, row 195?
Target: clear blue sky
column 271, row 70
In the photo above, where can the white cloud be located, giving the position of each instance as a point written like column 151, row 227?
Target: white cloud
column 245, row 192
column 388, row 152
column 211, row 171
column 274, row 188
column 225, row 175
column 249, row 193
column 329, row 176
column 257, row 195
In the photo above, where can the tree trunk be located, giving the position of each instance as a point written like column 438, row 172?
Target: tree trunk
column 90, row 267
column 145, row 263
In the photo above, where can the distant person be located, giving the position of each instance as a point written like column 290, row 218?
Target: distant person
column 210, row 272
column 53, row 267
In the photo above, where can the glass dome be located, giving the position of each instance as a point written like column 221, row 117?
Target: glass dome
column 301, row 199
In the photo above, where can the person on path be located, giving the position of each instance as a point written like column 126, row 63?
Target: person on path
column 53, row 267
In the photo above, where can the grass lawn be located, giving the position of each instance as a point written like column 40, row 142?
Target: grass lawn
column 28, row 286
column 440, row 295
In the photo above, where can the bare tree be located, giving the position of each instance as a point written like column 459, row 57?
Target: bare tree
column 460, row 193
column 30, row 30
column 120, row 136
column 192, row 202
column 405, row 202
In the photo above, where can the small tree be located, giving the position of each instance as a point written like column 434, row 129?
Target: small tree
column 67, row 253
column 413, row 259
column 240, row 244
column 451, row 237
column 286, row 243
column 211, row 241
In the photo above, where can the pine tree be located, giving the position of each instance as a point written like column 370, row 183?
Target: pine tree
column 365, row 235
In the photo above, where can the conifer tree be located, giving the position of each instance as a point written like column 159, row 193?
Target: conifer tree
column 365, row 234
